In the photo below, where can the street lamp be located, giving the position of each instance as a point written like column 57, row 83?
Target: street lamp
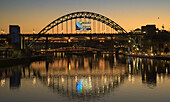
column 69, row 40
column 129, row 41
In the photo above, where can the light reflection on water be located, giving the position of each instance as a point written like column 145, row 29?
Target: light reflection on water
column 87, row 78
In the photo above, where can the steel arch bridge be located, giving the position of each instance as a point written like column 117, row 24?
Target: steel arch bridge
column 78, row 15
column 89, row 15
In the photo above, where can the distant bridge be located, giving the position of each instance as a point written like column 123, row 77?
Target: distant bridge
column 103, row 26
column 48, row 40
column 64, row 29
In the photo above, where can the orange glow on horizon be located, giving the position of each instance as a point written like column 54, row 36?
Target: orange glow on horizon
column 129, row 15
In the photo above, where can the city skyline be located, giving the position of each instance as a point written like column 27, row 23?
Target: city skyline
column 84, row 50
column 130, row 14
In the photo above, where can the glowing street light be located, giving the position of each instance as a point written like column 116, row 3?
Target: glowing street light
column 129, row 41
column 69, row 40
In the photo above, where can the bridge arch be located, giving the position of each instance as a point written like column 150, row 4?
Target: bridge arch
column 89, row 15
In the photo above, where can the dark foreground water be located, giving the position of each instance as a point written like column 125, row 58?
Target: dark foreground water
column 104, row 78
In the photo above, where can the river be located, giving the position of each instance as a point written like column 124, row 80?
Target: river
column 87, row 78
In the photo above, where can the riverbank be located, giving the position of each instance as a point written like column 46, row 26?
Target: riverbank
column 151, row 57
column 7, row 62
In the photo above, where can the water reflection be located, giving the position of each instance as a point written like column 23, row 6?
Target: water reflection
column 86, row 77
column 150, row 70
column 80, row 76
column 80, row 65
column 15, row 79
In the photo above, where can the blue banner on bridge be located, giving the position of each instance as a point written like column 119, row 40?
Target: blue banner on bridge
column 83, row 26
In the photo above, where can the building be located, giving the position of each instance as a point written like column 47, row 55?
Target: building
column 14, row 31
column 137, row 31
column 149, row 29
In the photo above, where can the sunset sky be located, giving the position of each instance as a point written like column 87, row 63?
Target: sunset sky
column 130, row 14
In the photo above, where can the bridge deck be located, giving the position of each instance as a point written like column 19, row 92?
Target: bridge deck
column 74, row 35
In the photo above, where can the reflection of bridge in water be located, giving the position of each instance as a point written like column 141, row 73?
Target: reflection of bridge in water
column 87, row 78
column 75, row 77
column 80, row 86
column 78, row 77
column 74, row 86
